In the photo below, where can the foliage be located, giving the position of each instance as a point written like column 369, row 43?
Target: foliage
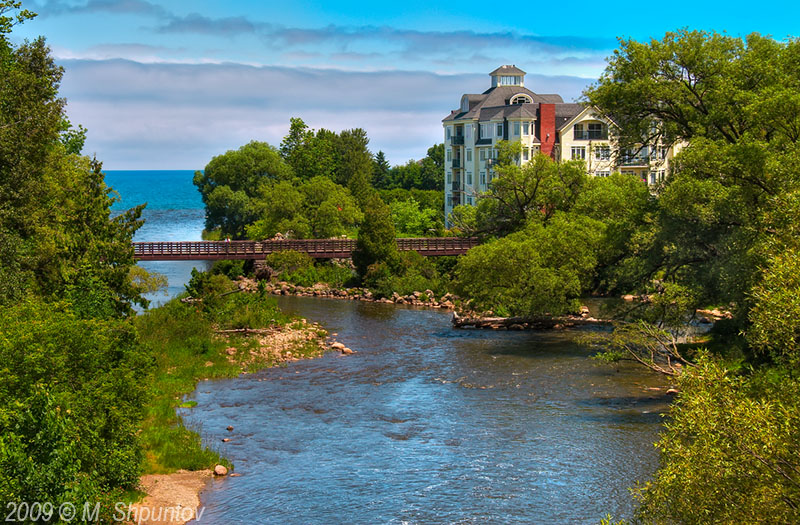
column 71, row 396
column 411, row 272
column 376, row 239
column 318, row 208
column 730, row 451
column 542, row 269
column 426, row 174
column 463, row 219
column 230, row 182
column 534, row 191
column 411, row 221
column 715, row 215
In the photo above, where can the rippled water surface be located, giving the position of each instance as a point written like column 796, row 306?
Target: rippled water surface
column 426, row 424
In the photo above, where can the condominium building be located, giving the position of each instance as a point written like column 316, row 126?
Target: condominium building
column 541, row 123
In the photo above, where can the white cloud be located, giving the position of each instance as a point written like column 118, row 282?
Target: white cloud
column 178, row 116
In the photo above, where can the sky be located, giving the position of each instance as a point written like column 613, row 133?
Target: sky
column 171, row 84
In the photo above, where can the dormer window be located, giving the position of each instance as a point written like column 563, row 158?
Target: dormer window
column 521, row 99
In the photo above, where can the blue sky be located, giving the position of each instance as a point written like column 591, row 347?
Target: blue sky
column 170, row 84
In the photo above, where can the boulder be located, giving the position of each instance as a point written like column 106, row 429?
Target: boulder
column 338, row 346
column 220, row 470
column 230, row 428
column 347, row 351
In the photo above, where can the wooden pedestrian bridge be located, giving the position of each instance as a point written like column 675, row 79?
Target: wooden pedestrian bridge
column 317, row 248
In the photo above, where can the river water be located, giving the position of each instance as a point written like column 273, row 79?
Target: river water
column 427, row 424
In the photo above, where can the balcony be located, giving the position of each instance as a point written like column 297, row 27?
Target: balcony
column 456, row 187
column 590, row 134
column 457, row 140
column 639, row 160
column 455, row 200
column 457, row 163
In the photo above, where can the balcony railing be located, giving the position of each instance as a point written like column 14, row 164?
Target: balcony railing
column 590, row 135
column 457, row 163
column 639, row 160
column 455, row 200
column 457, row 140
column 456, row 187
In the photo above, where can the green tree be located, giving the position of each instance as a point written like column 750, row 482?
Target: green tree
column 230, row 182
column 534, row 191
column 410, row 220
column 540, row 270
column 376, row 238
column 380, row 172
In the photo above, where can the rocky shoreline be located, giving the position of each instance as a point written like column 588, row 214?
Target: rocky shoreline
column 426, row 299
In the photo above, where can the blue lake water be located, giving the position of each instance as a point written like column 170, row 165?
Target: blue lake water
column 174, row 212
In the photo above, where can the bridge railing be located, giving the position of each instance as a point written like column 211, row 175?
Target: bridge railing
column 320, row 248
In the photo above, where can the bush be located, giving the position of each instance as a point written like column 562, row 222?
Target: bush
column 71, row 397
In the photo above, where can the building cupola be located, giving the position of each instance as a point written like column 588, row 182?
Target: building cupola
column 508, row 76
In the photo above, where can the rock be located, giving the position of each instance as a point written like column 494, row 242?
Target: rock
column 628, row 297
column 234, row 475
column 584, row 310
column 338, row 346
column 225, row 440
column 558, row 327
column 516, row 327
column 672, row 391
column 230, row 350
column 346, row 351
column 209, row 363
column 230, row 428
column 220, row 470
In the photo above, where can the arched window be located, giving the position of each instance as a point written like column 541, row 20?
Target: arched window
column 521, row 99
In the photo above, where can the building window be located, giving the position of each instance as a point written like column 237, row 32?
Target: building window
column 652, row 177
column 602, row 152
column 449, row 155
column 486, row 131
column 499, row 130
column 661, row 175
column 577, row 131
column 507, row 80
column 469, row 155
column 447, row 131
column 469, row 178
column 516, row 128
column 596, row 131
column 602, row 173
column 578, row 152
column 449, row 177
column 469, row 200
column 468, row 131
column 483, row 178
column 525, row 154
column 662, row 152
column 525, row 128
column 521, row 99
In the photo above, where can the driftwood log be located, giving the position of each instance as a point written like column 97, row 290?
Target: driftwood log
column 526, row 323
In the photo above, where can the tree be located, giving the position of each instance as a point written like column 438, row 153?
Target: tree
column 56, row 226
column 540, row 270
column 231, row 181
column 714, row 215
column 376, row 238
column 409, row 219
column 380, row 172
column 534, row 191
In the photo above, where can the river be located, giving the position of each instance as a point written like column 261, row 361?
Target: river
column 427, row 424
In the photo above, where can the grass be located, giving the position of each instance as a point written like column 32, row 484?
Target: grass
column 182, row 340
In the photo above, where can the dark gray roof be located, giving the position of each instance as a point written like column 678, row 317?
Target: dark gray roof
column 566, row 112
column 507, row 70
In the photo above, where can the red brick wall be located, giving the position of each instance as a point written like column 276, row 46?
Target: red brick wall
column 547, row 127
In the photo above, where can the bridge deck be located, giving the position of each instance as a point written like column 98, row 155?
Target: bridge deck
column 317, row 248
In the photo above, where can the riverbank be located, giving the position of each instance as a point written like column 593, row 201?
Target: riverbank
column 193, row 342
